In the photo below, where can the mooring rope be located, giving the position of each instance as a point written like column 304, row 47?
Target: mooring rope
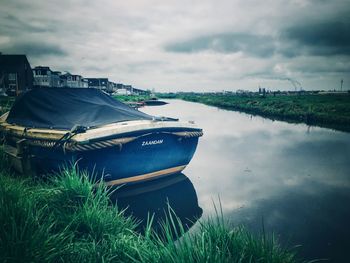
column 68, row 145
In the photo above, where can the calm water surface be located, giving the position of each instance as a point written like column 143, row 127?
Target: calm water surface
column 293, row 179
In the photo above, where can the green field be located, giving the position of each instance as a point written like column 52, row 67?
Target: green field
column 66, row 219
column 328, row 110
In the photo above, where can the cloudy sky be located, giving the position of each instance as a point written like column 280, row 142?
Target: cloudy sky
column 179, row 45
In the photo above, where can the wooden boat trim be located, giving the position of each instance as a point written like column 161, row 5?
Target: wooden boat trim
column 93, row 133
column 147, row 176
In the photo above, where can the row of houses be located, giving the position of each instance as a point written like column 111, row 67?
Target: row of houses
column 16, row 76
column 45, row 77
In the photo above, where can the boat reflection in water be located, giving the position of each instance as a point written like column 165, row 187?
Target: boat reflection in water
column 155, row 197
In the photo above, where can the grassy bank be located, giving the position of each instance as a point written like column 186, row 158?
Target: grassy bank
column 329, row 110
column 65, row 219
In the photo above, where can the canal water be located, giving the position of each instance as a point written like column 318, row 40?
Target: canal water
column 288, row 179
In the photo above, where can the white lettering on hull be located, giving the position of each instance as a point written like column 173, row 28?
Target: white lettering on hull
column 148, row 143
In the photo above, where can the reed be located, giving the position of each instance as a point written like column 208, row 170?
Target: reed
column 214, row 241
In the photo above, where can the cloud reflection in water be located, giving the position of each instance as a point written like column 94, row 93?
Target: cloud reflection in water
column 294, row 177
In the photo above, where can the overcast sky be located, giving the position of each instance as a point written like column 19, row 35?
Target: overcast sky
column 186, row 45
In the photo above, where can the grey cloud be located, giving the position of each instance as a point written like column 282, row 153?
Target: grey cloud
column 320, row 38
column 141, row 66
column 29, row 36
column 126, row 40
column 12, row 25
column 255, row 45
column 324, row 68
column 94, row 68
column 34, row 48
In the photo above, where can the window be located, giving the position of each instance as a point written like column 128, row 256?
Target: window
column 12, row 76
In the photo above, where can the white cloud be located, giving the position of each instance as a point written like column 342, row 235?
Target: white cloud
column 126, row 41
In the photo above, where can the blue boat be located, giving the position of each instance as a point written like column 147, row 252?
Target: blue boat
column 50, row 128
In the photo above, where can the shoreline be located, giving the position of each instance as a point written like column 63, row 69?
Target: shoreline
column 67, row 218
column 326, row 111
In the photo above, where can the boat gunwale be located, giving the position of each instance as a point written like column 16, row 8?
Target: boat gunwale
column 114, row 130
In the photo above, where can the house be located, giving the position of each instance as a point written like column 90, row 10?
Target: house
column 56, row 79
column 119, row 86
column 16, row 75
column 73, row 81
column 129, row 90
column 141, row 91
column 100, row 83
column 122, row 89
column 113, row 86
column 85, row 83
column 45, row 77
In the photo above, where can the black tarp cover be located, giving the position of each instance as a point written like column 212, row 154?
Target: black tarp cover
column 63, row 108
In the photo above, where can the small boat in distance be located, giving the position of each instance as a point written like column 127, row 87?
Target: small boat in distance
column 154, row 102
column 49, row 128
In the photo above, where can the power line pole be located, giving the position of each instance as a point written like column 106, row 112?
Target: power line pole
column 341, row 85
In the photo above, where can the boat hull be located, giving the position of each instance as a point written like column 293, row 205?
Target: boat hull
column 148, row 156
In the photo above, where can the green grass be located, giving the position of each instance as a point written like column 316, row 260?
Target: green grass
column 63, row 220
column 5, row 104
column 66, row 218
column 215, row 241
column 332, row 111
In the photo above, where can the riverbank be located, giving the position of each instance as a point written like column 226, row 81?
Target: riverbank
column 66, row 219
column 328, row 110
